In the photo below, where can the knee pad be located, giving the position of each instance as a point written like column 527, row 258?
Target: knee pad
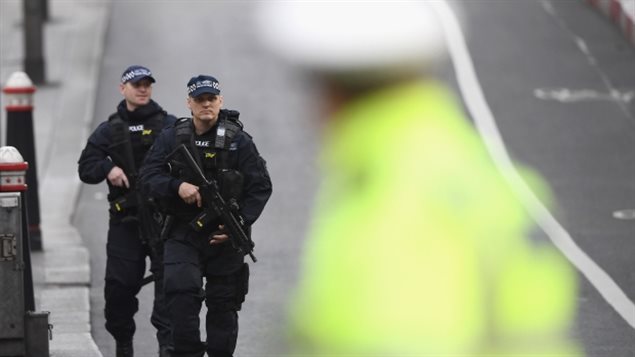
column 227, row 292
column 181, row 277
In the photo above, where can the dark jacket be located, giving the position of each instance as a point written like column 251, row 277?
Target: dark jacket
column 243, row 156
column 98, row 158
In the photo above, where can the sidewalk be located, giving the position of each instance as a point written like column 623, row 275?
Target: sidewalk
column 73, row 40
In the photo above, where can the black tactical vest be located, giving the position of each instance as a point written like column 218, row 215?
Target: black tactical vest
column 213, row 153
column 132, row 140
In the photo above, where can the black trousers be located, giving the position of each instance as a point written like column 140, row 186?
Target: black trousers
column 187, row 258
column 125, row 268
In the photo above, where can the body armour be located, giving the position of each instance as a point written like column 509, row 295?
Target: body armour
column 213, row 152
column 131, row 140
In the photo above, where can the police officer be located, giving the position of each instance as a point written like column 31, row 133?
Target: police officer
column 228, row 155
column 115, row 152
column 421, row 246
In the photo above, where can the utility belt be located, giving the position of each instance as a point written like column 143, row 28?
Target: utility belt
column 126, row 209
column 124, row 205
column 204, row 222
column 198, row 221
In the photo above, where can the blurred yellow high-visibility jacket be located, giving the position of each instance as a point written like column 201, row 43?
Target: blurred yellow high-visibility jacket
column 419, row 247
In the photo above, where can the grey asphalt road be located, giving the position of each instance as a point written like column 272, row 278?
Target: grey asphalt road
column 533, row 58
column 581, row 140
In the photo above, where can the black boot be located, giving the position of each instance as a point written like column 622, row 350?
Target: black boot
column 124, row 349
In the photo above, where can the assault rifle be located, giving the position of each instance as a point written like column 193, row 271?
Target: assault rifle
column 217, row 207
column 146, row 216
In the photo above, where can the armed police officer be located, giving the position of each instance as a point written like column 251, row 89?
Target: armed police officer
column 114, row 152
column 189, row 163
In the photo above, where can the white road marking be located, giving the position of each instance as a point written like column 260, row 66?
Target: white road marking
column 624, row 214
column 578, row 95
column 486, row 125
column 584, row 48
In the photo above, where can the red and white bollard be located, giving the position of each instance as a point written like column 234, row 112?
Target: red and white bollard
column 13, row 170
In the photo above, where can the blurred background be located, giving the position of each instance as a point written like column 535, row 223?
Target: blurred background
column 558, row 75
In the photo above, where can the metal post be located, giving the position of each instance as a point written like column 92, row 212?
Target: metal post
column 23, row 331
column 44, row 5
column 12, row 264
column 19, row 95
column 33, row 40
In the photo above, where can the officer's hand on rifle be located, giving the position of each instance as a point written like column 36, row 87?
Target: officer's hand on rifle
column 220, row 236
column 118, row 178
column 189, row 193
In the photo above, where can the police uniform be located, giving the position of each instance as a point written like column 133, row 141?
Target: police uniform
column 126, row 252
column 228, row 155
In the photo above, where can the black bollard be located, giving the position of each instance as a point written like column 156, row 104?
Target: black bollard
column 34, row 40
column 44, row 5
column 19, row 98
